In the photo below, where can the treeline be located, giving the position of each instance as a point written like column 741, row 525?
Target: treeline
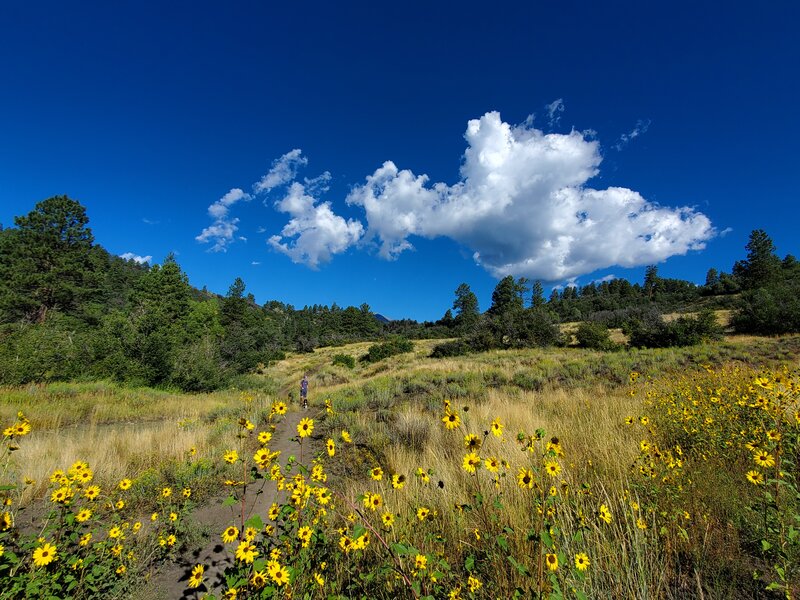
column 762, row 290
column 70, row 310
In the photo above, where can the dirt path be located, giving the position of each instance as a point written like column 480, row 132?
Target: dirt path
column 170, row 581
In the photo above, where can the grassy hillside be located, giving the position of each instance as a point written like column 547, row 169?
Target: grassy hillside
column 559, row 472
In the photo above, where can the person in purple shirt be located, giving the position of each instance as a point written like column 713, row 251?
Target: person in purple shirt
column 304, row 391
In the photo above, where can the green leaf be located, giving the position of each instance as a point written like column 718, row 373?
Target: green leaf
column 578, row 537
column 229, row 501
column 501, row 541
column 359, row 530
column 399, row 549
column 255, row 522
column 521, row 569
column 469, row 564
column 765, row 545
column 546, row 539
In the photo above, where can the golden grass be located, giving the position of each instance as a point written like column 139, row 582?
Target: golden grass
column 114, row 451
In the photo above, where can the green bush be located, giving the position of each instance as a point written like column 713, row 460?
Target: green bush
column 595, row 336
column 770, row 310
column 654, row 332
column 391, row 347
column 344, row 360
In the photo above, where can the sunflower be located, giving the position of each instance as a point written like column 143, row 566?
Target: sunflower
column 420, row 562
column 474, row 584
column 376, row 473
column 471, row 462
column 264, row 437
column 552, row 468
column 125, row 484
column 83, row 515
column 551, row 560
column 231, row 456
column 258, row 579
column 44, row 555
column 21, row 429
column 423, row 512
column 472, row 442
column 62, row 495
column 604, row 513
column 497, row 428
column 304, row 535
column 581, row 561
column 375, row 501
column 281, row 575
column 92, row 492
column 764, row 459
column 451, row 420
column 398, row 481
column 305, row 427
column 388, row 519
column 166, row 492
column 346, row 437
column 331, row 447
column 246, row 552
column 492, row 464
column 196, row 578
column 261, row 457
column 525, row 478
column 273, row 512
column 755, row 477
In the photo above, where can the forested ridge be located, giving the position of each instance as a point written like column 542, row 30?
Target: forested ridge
column 70, row 310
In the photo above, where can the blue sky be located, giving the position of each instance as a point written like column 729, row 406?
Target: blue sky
column 566, row 141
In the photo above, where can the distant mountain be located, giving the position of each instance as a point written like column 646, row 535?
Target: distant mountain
column 382, row 319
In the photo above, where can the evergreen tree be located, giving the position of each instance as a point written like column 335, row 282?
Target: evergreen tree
column 761, row 266
column 537, row 294
column 466, row 306
column 45, row 261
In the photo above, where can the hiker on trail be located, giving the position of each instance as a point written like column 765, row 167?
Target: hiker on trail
column 304, row 391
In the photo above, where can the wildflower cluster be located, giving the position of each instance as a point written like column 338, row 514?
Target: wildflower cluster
column 729, row 421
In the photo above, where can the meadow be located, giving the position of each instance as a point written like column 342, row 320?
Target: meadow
column 557, row 473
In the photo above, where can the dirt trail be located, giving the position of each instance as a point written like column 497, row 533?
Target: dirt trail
column 169, row 582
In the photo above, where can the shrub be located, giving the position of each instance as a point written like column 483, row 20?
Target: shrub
column 595, row 336
column 654, row 332
column 391, row 347
column 770, row 310
column 344, row 360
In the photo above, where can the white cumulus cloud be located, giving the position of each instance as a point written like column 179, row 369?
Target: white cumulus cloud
column 522, row 204
column 314, row 233
column 224, row 227
column 136, row 258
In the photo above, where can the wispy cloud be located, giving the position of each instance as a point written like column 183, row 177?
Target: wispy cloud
column 136, row 258
column 640, row 128
column 283, row 170
column 147, row 221
column 554, row 111
column 224, row 227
